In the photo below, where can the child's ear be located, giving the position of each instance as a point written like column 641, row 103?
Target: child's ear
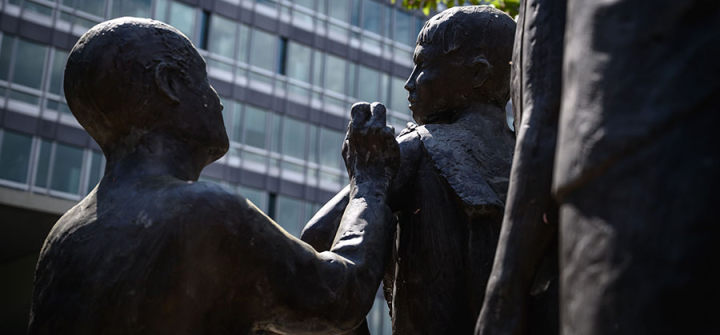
column 166, row 81
column 481, row 71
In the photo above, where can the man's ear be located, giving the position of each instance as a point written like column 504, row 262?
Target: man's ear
column 166, row 81
column 481, row 71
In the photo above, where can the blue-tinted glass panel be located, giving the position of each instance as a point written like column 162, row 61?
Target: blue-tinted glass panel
column 237, row 123
column 313, row 143
column 398, row 100
column 43, row 164
column 66, row 168
column 262, row 50
column 29, row 60
column 276, row 132
column 369, row 82
column 182, row 17
column 137, row 8
column 339, row 9
column 5, row 55
column 95, row 7
column 402, row 28
column 95, row 170
column 56, row 72
column 335, row 73
column 243, row 43
column 257, row 197
column 221, row 39
column 255, row 127
column 298, row 59
column 294, row 138
column 289, row 214
column 372, row 16
column 330, row 148
column 15, row 156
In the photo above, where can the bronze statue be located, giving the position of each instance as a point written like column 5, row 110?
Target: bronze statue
column 450, row 190
column 153, row 251
column 627, row 159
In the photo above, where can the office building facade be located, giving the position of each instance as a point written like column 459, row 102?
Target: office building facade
column 287, row 73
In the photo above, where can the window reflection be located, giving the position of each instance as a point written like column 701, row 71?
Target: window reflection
column 15, row 156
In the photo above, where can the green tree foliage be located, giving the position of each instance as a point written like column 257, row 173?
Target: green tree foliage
column 508, row 6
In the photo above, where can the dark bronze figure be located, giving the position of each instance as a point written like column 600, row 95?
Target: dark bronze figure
column 153, row 251
column 635, row 172
column 450, row 190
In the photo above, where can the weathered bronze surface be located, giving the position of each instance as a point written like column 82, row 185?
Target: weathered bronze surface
column 449, row 194
column 153, row 251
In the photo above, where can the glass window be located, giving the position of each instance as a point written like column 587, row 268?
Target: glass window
column 369, row 82
column 305, row 3
column 56, row 72
column 276, row 132
column 261, row 50
column 398, row 101
column 330, row 148
column 282, row 56
column 43, row 164
column 137, row 8
column 15, row 156
column 419, row 23
column 161, row 7
column 402, row 28
column 257, row 197
column 221, row 39
column 294, row 138
column 352, row 79
column 339, row 9
column 5, row 55
column 355, row 13
column 204, row 28
column 289, row 214
column 372, row 16
column 312, row 147
column 298, row 62
column 95, row 170
column 384, row 83
column 317, row 68
column 182, row 17
column 254, row 127
column 335, row 73
column 94, row 7
column 236, row 127
column 243, row 38
column 29, row 60
column 66, row 168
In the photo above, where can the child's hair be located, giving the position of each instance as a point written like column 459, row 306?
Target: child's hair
column 110, row 73
column 476, row 32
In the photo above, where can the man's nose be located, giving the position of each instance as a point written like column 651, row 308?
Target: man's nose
column 410, row 83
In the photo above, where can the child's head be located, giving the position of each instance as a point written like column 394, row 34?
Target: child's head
column 129, row 76
column 462, row 56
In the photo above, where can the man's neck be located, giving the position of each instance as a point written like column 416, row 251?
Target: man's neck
column 155, row 155
column 480, row 112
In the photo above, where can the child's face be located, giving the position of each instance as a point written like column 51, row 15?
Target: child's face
column 438, row 84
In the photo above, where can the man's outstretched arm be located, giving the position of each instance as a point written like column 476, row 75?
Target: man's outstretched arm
column 299, row 290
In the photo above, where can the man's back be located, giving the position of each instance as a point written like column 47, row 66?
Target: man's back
column 123, row 261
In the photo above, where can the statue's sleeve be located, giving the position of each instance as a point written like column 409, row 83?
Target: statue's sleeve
column 298, row 289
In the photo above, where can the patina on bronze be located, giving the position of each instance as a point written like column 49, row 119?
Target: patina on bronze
column 450, row 190
column 153, row 251
column 631, row 167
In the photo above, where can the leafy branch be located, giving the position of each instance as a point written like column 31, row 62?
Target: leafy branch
column 508, row 6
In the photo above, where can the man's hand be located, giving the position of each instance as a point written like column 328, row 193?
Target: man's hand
column 370, row 151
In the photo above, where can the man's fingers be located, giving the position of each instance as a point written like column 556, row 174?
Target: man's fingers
column 360, row 114
column 377, row 120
